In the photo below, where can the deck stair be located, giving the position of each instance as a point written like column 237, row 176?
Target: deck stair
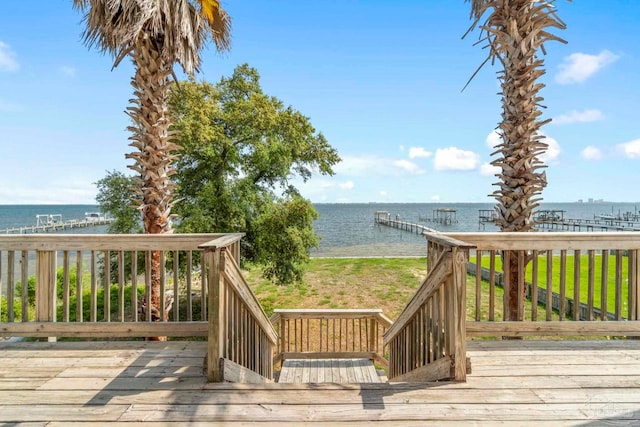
column 340, row 371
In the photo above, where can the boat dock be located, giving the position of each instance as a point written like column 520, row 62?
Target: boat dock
column 384, row 218
column 46, row 223
column 443, row 216
column 554, row 220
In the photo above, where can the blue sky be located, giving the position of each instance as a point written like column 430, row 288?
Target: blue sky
column 381, row 79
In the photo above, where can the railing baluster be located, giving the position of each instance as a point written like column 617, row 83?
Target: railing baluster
column 534, row 285
column 121, row 286
column 549, row 302
column 478, row 312
column 633, row 284
column 563, row 284
column 106, row 295
column 79, row 288
column 163, row 286
column 93, row 307
column 492, row 285
column 66, row 288
column 24, row 274
column 618, row 285
column 576, row 285
column 591, row 285
column 604, row 281
column 189, row 264
column 176, row 287
column 134, row 285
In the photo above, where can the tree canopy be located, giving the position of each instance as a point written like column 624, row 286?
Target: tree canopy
column 240, row 150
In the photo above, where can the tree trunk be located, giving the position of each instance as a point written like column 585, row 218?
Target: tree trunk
column 154, row 156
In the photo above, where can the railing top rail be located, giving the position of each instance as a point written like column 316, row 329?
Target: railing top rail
column 319, row 313
column 222, row 241
column 135, row 242
column 447, row 240
column 550, row 240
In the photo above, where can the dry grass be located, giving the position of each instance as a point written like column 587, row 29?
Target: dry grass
column 385, row 283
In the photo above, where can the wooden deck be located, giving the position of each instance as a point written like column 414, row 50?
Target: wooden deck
column 120, row 383
column 343, row 371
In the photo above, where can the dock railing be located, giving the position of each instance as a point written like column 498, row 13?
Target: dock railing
column 95, row 286
column 576, row 284
column 428, row 340
column 330, row 334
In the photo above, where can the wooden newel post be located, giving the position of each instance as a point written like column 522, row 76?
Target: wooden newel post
column 458, row 315
column 216, row 335
column 46, row 287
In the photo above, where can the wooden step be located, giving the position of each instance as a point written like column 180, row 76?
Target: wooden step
column 338, row 371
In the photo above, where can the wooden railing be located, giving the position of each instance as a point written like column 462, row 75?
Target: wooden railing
column 577, row 284
column 241, row 338
column 330, row 334
column 99, row 290
column 428, row 340
column 94, row 285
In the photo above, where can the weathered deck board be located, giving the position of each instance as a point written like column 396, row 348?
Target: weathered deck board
column 342, row 371
column 117, row 383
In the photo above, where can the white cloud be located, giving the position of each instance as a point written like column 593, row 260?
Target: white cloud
column 67, row 71
column 487, row 169
column 347, row 185
column 409, row 167
column 453, row 158
column 631, row 149
column 8, row 60
column 494, row 139
column 591, row 153
column 553, row 150
column 369, row 165
column 578, row 67
column 435, row 198
column 415, row 152
column 383, row 193
column 579, row 117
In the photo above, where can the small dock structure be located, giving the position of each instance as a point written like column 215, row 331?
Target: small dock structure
column 54, row 222
column 555, row 220
column 443, row 216
column 384, row 218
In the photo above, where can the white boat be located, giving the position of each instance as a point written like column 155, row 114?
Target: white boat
column 94, row 216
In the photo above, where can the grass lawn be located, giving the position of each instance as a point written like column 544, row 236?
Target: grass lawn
column 584, row 275
column 385, row 283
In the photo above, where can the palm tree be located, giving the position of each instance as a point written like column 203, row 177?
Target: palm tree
column 515, row 32
column 155, row 34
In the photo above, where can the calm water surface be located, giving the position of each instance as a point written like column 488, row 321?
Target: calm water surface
column 349, row 229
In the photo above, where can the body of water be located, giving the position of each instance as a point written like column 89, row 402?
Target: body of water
column 25, row 215
column 349, row 229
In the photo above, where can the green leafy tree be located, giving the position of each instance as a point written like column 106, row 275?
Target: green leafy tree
column 240, row 150
column 286, row 234
column 115, row 199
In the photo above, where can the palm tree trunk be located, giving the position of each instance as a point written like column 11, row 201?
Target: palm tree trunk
column 521, row 179
column 154, row 156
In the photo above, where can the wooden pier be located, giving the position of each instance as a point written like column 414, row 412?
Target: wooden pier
column 384, row 218
column 46, row 223
column 554, row 220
